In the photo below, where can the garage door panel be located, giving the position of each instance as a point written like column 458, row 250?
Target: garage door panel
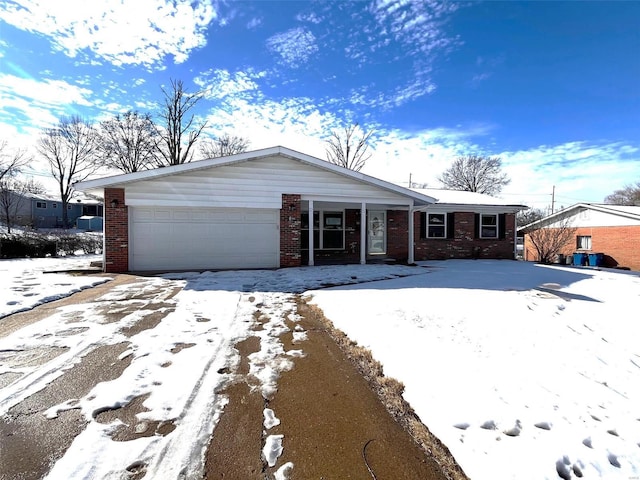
column 203, row 238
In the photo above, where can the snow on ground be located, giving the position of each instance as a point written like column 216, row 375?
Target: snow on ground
column 179, row 364
column 523, row 371
column 23, row 286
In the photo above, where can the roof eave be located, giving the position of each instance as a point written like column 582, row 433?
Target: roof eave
column 118, row 180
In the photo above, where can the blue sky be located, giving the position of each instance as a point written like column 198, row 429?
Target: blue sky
column 553, row 88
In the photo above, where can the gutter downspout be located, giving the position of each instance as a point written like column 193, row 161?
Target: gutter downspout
column 515, row 238
column 412, row 243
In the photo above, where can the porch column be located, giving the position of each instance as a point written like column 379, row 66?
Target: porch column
column 410, row 260
column 310, row 233
column 363, row 233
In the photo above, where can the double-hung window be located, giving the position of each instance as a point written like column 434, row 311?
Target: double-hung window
column 436, row 225
column 583, row 242
column 488, row 226
column 41, row 204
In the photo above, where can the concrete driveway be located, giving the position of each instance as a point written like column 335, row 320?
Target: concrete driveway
column 192, row 377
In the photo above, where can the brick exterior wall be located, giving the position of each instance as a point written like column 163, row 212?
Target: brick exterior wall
column 620, row 245
column 290, row 228
column 352, row 235
column 464, row 243
column 116, row 232
column 398, row 235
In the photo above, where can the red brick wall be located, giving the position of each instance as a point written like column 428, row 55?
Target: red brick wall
column 352, row 234
column 116, row 232
column 464, row 244
column 398, row 234
column 290, row 226
column 620, row 245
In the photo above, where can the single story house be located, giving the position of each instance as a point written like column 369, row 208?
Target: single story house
column 277, row 207
column 611, row 230
column 45, row 210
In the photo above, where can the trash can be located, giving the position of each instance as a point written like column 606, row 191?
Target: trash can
column 559, row 258
column 580, row 259
column 595, row 259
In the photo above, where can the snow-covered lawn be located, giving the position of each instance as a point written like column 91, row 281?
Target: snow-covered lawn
column 24, row 286
column 523, row 371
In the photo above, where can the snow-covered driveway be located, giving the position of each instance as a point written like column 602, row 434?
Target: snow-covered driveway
column 179, row 347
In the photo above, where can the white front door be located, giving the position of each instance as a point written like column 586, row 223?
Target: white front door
column 377, row 232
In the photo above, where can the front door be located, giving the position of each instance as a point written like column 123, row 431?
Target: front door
column 377, row 232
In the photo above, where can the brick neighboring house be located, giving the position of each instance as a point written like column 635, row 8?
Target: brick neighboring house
column 270, row 208
column 611, row 230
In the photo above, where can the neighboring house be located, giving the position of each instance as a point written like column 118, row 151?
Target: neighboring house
column 45, row 210
column 257, row 209
column 612, row 230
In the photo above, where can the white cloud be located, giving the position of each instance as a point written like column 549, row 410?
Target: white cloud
column 294, row 46
column 221, row 83
column 580, row 172
column 311, row 17
column 254, row 23
column 40, row 102
column 121, row 32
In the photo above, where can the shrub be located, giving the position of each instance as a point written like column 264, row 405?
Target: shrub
column 38, row 245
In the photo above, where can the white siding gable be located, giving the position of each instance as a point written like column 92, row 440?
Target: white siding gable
column 586, row 217
column 256, row 183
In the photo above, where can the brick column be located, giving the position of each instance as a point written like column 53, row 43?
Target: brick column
column 116, row 231
column 290, row 229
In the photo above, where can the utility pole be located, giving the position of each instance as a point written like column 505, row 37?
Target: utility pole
column 409, row 179
column 553, row 199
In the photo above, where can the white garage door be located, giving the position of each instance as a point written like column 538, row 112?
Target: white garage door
column 169, row 238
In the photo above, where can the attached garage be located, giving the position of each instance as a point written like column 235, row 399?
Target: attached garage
column 176, row 238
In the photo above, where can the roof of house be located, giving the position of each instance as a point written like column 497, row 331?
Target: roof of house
column 78, row 197
column 632, row 212
column 458, row 197
column 123, row 179
column 424, row 196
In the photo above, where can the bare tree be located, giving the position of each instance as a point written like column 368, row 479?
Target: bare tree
column 128, row 142
column 70, row 148
column 178, row 133
column 525, row 217
column 349, row 148
column 14, row 193
column 551, row 240
column 629, row 195
column 475, row 173
column 223, row 146
column 11, row 161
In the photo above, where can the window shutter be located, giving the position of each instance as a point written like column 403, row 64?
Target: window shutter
column 450, row 225
column 502, row 224
column 476, row 225
column 423, row 224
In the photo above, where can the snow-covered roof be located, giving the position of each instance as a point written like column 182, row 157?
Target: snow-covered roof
column 78, row 197
column 457, row 197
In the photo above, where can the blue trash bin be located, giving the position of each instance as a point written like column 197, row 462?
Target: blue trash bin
column 595, row 259
column 580, row 259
